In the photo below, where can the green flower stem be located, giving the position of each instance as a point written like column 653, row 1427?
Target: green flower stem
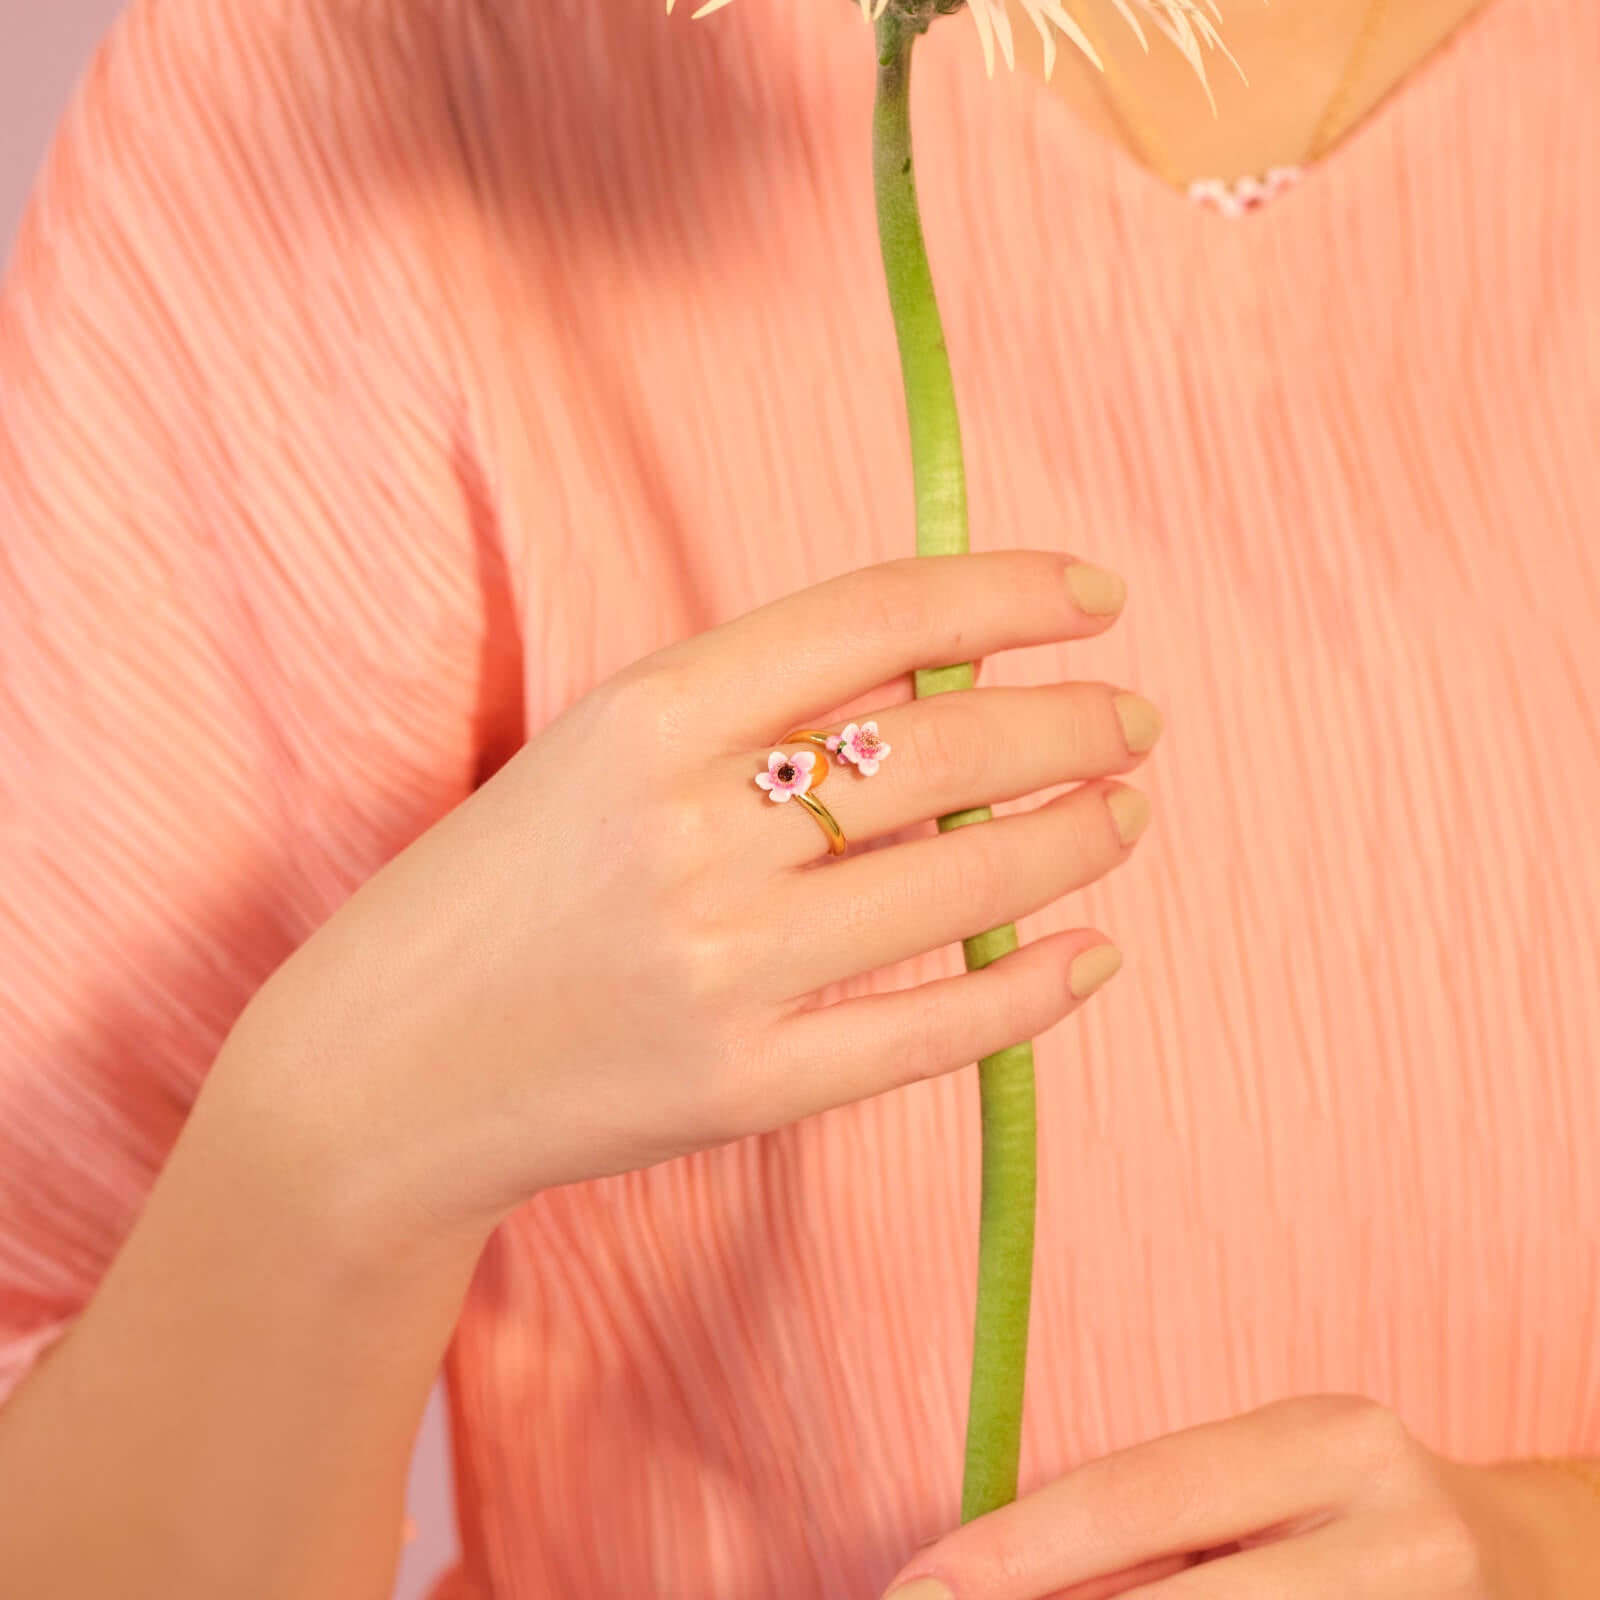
column 1005, row 1079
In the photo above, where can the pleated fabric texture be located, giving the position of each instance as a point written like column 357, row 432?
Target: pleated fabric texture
column 377, row 378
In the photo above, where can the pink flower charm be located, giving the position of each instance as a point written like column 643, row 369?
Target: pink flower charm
column 787, row 775
column 863, row 745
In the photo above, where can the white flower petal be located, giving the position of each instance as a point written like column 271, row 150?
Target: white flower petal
column 1131, row 17
column 985, row 26
column 1002, row 28
column 780, row 795
column 1191, row 25
column 805, row 760
column 776, row 760
column 1045, row 12
column 764, row 780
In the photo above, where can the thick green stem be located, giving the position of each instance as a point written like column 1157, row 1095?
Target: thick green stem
column 1005, row 1079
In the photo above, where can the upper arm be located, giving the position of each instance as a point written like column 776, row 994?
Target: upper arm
column 249, row 639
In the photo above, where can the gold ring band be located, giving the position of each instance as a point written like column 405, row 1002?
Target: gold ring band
column 825, row 818
column 826, row 821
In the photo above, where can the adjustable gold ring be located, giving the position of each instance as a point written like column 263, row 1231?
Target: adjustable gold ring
column 798, row 776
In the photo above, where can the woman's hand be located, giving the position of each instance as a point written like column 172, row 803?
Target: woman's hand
column 1327, row 1498
column 611, row 953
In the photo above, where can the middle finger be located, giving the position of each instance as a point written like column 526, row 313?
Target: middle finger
column 888, row 905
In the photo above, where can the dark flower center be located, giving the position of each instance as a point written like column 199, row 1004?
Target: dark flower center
column 786, row 773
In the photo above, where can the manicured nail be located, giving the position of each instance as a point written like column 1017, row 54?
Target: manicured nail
column 1130, row 810
column 1141, row 722
column 1096, row 591
column 1092, row 969
column 921, row 1589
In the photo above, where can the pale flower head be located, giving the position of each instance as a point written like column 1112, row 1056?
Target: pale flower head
column 787, row 775
column 861, row 744
column 1190, row 24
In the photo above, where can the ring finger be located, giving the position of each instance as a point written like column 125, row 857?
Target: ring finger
column 955, row 751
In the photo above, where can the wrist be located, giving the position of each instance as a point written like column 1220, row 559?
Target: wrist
column 279, row 1116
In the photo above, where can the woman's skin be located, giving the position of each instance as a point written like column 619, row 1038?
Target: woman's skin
column 606, row 957
column 1294, row 54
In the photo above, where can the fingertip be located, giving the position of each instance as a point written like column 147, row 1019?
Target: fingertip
column 1093, row 968
column 1096, row 591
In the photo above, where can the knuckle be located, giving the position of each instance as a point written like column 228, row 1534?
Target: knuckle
column 926, row 1049
column 975, row 878
column 701, row 962
column 664, row 847
column 624, row 705
column 736, row 1096
column 646, row 700
column 1146, row 1491
column 1367, row 1435
column 953, row 747
column 893, row 603
column 1444, row 1554
column 681, row 825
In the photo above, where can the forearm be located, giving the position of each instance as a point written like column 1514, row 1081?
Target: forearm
column 234, row 1412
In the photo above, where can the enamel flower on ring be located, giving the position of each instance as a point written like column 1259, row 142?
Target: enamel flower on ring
column 787, row 776
column 862, row 745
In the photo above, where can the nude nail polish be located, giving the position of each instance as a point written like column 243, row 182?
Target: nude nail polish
column 1141, row 722
column 921, row 1589
column 1130, row 811
column 1093, row 969
column 1094, row 590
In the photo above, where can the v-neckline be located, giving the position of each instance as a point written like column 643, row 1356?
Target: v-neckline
column 1124, row 166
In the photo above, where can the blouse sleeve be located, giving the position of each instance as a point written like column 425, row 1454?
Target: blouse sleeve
column 248, row 646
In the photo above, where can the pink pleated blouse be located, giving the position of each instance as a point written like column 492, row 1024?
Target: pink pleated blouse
column 375, row 379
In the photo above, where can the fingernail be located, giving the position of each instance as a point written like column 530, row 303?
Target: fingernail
column 922, row 1589
column 1096, row 591
column 1130, row 810
column 1141, row 722
column 1092, row 969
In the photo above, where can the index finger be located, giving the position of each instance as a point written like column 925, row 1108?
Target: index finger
column 809, row 652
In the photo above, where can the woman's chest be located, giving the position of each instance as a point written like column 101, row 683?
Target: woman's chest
column 1328, row 1129
column 1345, row 465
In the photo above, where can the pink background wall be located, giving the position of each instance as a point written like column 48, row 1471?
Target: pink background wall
column 43, row 46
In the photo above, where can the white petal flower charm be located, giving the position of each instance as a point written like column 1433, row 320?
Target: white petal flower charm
column 862, row 745
column 1189, row 24
column 787, row 775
